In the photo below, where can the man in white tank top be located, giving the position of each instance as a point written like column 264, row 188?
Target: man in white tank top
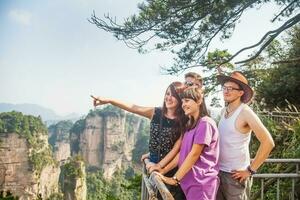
column 235, row 127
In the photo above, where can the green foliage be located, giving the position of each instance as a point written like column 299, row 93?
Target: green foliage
column 71, row 169
column 118, row 188
column 7, row 196
column 33, row 130
column 279, row 83
column 60, row 132
column 24, row 125
column 131, row 120
column 108, row 110
column 40, row 158
column 141, row 145
column 187, row 28
column 118, row 146
column 285, row 131
column 75, row 132
column 78, row 126
column 56, row 196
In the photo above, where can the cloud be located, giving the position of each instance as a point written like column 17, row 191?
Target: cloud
column 21, row 16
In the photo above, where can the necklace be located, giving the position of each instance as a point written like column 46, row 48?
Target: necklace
column 227, row 112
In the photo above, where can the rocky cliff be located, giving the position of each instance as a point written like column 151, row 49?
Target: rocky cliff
column 59, row 139
column 106, row 138
column 74, row 179
column 27, row 169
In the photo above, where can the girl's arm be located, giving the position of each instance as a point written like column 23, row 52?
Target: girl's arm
column 168, row 158
column 189, row 161
column 171, row 165
column 187, row 164
column 140, row 110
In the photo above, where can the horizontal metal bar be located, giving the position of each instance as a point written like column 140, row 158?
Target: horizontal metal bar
column 292, row 175
column 282, row 160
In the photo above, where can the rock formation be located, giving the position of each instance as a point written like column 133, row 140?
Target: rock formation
column 106, row 139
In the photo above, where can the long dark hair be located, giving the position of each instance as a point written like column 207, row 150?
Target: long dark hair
column 195, row 94
column 176, row 89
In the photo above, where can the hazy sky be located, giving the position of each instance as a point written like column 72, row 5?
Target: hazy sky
column 52, row 56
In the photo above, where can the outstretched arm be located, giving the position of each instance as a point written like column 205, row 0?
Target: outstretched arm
column 140, row 110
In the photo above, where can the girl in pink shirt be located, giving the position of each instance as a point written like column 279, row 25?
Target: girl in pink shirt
column 199, row 152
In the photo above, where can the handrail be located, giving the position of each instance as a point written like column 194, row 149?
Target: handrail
column 152, row 184
column 282, row 160
column 275, row 178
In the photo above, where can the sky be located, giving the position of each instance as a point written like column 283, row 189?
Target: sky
column 52, row 56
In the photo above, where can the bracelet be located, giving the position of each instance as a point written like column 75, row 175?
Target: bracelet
column 251, row 171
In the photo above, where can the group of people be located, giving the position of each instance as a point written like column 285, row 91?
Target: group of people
column 195, row 157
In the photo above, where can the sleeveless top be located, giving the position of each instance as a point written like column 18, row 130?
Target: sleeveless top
column 234, row 145
column 162, row 137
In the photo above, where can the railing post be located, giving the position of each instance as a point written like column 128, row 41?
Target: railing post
column 293, row 189
column 278, row 190
column 262, row 189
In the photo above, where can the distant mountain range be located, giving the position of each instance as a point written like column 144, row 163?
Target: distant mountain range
column 47, row 114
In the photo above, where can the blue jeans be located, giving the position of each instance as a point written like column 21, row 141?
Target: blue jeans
column 154, row 157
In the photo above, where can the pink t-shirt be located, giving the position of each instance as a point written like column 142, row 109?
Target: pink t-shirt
column 202, row 181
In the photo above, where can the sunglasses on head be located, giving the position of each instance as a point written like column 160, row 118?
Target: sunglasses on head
column 190, row 84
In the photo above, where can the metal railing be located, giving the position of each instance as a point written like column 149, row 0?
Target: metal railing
column 276, row 177
column 151, row 184
column 280, row 116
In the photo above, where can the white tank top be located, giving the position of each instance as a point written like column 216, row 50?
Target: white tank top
column 234, row 145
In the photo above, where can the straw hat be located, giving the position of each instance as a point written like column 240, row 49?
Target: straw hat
column 240, row 79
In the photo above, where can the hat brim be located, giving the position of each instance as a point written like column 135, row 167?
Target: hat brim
column 248, row 92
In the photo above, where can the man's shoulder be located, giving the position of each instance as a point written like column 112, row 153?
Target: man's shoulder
column 247, row 112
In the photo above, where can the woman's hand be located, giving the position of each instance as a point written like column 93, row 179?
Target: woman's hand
column 149, row 164
column 99, row 100
column 155, row 167
column 144, row 156
column 167, row 180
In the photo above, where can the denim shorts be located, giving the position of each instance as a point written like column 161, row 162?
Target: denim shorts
column 154, row 157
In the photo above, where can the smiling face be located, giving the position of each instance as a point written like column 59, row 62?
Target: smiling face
column 191, row 107
column 231, row 91
column 170, row 101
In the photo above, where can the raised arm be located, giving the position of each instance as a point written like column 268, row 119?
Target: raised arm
column 140, row 110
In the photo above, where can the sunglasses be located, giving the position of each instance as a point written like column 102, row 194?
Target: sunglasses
column 190, row 84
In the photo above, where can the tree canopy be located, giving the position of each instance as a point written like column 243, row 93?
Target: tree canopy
column 275, row 76
column 187, row 27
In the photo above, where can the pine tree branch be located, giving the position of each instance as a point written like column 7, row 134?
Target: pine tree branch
column 283, row 10
column 271, row 34
column 294, row 60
